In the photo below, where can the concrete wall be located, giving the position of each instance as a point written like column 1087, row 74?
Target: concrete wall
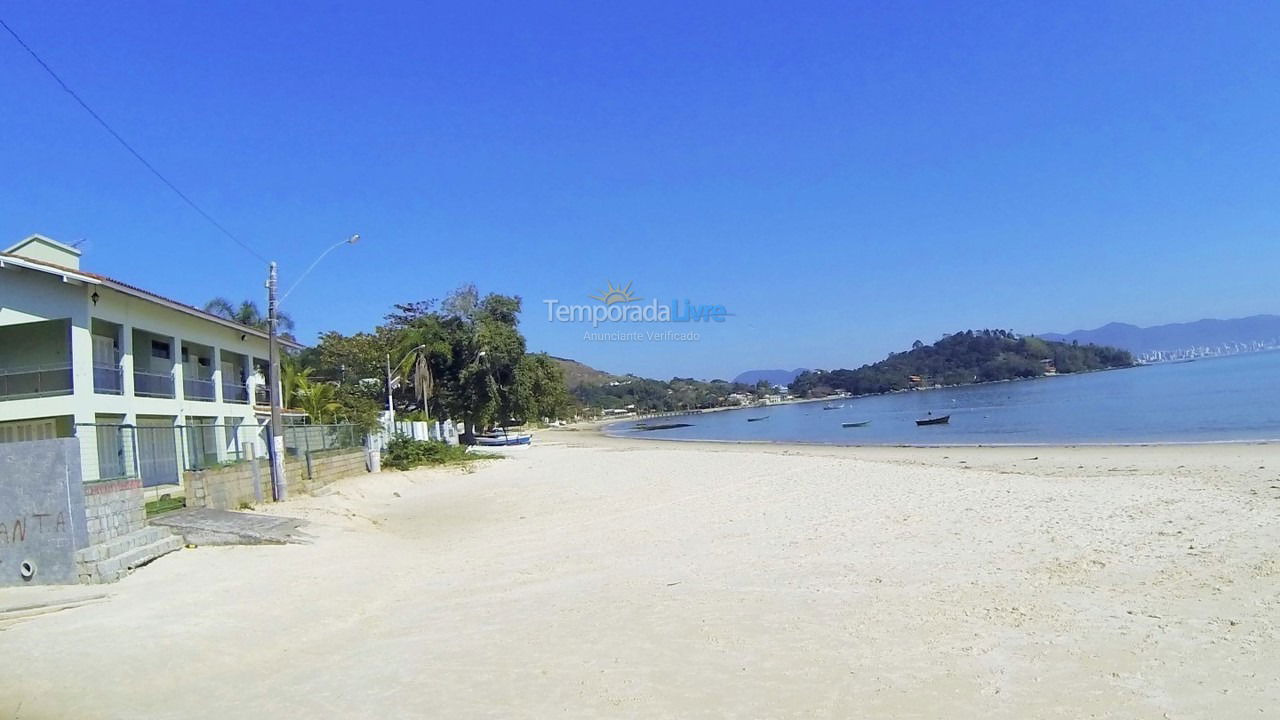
column 41, row 510
column 113, row 508
column 227, row 488
column 231, row 487
column 323, row 469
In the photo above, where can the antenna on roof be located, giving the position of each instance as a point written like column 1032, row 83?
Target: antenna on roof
column 78, row 243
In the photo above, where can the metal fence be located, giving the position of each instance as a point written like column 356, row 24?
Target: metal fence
column 210, row 445
column 302, row 440
column 158, row 454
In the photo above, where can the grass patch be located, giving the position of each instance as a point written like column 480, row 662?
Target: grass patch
column 165, row 503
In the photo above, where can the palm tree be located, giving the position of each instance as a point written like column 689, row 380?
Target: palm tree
column 420, row 346
column 292, row 377
column 316, row 398
column 246, row 313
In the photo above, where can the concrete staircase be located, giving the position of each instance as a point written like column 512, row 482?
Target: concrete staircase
column 112, row 560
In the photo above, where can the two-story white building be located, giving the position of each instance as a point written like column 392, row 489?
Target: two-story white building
column 148, row 385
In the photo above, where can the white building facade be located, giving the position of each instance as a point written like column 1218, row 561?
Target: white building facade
column 148, row 385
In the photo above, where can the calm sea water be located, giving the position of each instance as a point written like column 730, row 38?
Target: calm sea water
column 1214, row 399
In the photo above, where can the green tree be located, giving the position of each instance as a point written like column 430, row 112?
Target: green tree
column 540, row 389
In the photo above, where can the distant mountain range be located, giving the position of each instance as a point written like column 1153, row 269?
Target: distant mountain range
column 774, row 377
column 1253, row 332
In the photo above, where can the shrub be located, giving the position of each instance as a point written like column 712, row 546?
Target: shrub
column 403, row 453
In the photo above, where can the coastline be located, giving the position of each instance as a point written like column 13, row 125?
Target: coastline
column 600, row 428
column 1250, row 460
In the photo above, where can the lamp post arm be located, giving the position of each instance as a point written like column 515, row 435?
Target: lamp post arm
column 310, row 267
column 349, row 241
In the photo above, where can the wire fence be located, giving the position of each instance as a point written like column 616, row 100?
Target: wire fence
column 305, row 440
column 158, row 454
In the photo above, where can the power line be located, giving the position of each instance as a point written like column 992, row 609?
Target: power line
column 129, row 147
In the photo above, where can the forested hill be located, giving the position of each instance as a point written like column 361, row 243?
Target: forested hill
column 965, row 357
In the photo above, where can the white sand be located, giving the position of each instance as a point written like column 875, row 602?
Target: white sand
column 673, row 580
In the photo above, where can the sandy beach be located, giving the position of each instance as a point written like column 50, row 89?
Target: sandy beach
column 597, row 577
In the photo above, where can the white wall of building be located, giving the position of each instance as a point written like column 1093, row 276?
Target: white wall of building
column 28, row 295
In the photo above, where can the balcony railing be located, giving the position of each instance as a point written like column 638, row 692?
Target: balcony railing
column 234, row 392
column 198, row 388
column 260, row 396
column 35, row 381
column 108, row 379
column 150, row 384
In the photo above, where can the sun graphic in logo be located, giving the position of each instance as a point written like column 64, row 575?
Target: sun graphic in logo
column 613, row 295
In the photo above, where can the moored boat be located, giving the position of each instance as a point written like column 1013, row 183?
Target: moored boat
column 758, row 419
column 864, row 423
column 943, row 420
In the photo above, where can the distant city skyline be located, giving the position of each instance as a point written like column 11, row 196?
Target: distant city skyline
column 842, row 179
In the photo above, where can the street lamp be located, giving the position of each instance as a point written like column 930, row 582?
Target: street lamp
column 276, row 448
column 349, row 241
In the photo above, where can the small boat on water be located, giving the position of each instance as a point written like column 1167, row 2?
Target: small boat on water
column 758, row 419
column 832, row 407
column 864, row 423
column 943, row 420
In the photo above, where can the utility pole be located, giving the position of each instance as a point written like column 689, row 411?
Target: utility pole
column 276, row 447
column 391, row 408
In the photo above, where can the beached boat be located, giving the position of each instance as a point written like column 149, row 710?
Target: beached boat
column 500, row 439
column 943, row 420
column 762, row 417
column 864, row 423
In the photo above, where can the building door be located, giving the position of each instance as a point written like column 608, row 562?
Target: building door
column 157, row 452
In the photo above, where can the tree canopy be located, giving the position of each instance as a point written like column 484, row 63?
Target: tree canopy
column 463, row 358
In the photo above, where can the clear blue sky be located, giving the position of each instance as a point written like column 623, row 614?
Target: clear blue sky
column 845, row 178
